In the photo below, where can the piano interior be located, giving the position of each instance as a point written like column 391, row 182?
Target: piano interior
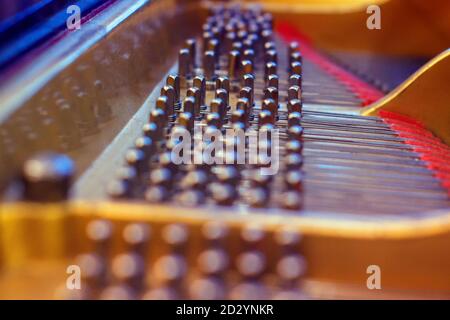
column 187, row 149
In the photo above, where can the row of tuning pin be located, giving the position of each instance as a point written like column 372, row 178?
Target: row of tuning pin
column 215, row 272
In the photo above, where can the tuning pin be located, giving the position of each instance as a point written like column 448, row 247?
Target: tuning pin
column 294, row 119
column 213, row 45
column 136, row 158
column 184, row 63
column 270, row 56
column 218, row 106
column 169, row 270
column 252, row 236
column 151, row 130
column 228, row 174
column 189, row 104
column 196, row 179
column 194, row 93
column 156, row 194
column 272, row 81
column 186, row 120
column 163, row 104
column 294, row 93
column 129, row 270
column 47, row 177
column 258, row 197
column 237, row 46
column 223, row 194
column 265, row 117
column 200, row 83
column 191, row 45
column 290, row 269
column 238, row 116
column 294, row 146
column 100, row 233
column 169, row 92
column 209, row 65
column 296, row 68
column 223, row 95
column 247, row 93
column 294, row 161
column 295, row 132
column 174, row 82
column 270, row 105
column 214, row 119
column 230, row 38
column 145, row 144
column 161, row 177
column 213, row 262
column 246, row 67
column 270, row 45
column 214, row 233
column 295, row 57
column 295, row 80
column 136, row 237
column 270, row 68
column 291, row 200
column 294, row 106
column 271, row 93
column 191, row 198
column 223, row 83
column 176, row 236
column 158, row 116
column 244, row 105
column 233, row 64
column 288, row 240
column 249, row 55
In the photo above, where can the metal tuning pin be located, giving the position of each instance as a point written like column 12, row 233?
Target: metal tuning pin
column 145, row 144
column 209, row 65
column 244, row 105
column 136, row 159
column 271, row 93
column 273, row 81
column 218, row 106
column 246, row 67
column 186, row 120
column 224, row 96
column 162, row 103
column 223, row 194
column 270, row 68
column 196, row 94
column 265, row 117
column 294, row 119
column 294, row 105
column 159, row 116
column 295, row 132
column 184, row 63
column 270, row 105
column 233, row 64
column 296, row 68
column 200, row 83
column 174, row 82
column 223, row 83
column 47, row 177
column 213, row 119
column 191, row 45
column 294, row 146
column 249, row 55
column 294, row 93
column 169, row 92
column 247, row 93
column 295, row 80
column 270, row 56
